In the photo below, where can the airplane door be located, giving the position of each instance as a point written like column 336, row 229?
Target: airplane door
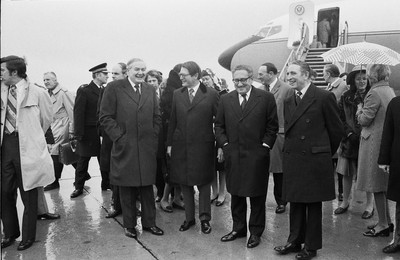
column 299, row 13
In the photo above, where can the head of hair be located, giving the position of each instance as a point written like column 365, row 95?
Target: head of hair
column 270, row 67
column 177, row 67
column 244, row 67
column 123, row 67
column 304, row 67
column 133, row 60
column 378, row 72
column 333, row 70
column 15, row 63
column 51, row 73
column 155, row 74
column 351, row 80
column 192, row 68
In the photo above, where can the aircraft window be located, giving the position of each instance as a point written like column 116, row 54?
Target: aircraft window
column 268, row 31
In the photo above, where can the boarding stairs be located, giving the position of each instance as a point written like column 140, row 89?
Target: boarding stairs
column 317, row 63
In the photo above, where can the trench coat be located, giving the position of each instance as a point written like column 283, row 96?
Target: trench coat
column 313, row 131
column 390, row 148
column 34, row 116
column 371, row 118
column 63, row 109
column 85, row 120
column 281, row 91
column 191, row 136
column 242, row 134
column 133, row 124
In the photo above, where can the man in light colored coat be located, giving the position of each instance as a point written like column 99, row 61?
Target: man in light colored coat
column 267, row 74
column 25, row 162
column 62, row 126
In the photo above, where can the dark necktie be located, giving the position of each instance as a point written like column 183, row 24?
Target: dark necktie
column 11, row 113
column 137, row 88
column 191, row 94
column 50, row 92
column 298, row 97
column 244, row 102
column 267, row 88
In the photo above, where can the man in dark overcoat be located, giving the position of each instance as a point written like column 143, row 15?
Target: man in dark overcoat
column 313, row 131
column 389, row 161
column 191, row 143
column 246, row 128
column 85, row 127
column 129, row 114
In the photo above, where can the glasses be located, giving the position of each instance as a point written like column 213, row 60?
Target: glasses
column 244, row 80
column 183, row 75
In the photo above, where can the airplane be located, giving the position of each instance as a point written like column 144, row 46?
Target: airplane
column 280, row 39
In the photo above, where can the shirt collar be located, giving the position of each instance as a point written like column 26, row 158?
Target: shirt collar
column 247, row 94
column 195, row 88
column 304, row 90
column 133, row 84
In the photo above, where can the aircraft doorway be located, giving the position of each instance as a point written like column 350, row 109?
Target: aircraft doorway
column 328, row 27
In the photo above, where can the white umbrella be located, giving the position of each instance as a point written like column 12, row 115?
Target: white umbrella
column 362, row 53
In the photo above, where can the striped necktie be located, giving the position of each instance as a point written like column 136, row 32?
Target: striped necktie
column 191, row 96
column 298, row 97
column 11, row 113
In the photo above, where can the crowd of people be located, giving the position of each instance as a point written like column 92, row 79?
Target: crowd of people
column 156, row 139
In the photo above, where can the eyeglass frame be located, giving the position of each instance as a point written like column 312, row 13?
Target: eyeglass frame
column 242, row 80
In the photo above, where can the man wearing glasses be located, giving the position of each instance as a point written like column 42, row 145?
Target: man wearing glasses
column 246, row 127
column 85, row 128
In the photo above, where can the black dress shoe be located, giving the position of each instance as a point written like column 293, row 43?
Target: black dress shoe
column 113, row 213
column 288, row 248
column 25, row 245
column 177, row 206
column 280, row 209
column 187, row 224
column 372, row 233
column 76, row 193
column 48, row 215
column 52, row 186
column 232, row 236
column 390, row 249
column 205, row 227
column 341, row 210
column 8, row 241
column 306, row 254
column 130, row 232
column 154, row 230
column 253, row 241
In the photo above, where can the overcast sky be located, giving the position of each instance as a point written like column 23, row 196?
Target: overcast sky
column 69, row 37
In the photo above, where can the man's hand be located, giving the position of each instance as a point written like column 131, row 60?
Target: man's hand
column 220, row 155
column 385, row 168
column 169, row 148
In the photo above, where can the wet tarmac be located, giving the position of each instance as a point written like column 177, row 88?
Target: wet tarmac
column 83, row 232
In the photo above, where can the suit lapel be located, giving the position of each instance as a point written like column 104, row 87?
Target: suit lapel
column 199, row 96
column 252, row 102
column 146, row 92
column 128, row 89
column 234, row 101
column 275, row 89
column 301, row 108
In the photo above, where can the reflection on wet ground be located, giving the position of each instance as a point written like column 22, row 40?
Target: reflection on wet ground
column 83, row 232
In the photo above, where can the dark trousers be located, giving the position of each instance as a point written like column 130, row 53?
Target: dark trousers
column 306, row 224
column 257, row 214
column 278, row 182
column 128, row 196
column 58, row 167
column 116, row 201
column 81, row 171
column 11, row 179
column 204, row 202
column 160, row 182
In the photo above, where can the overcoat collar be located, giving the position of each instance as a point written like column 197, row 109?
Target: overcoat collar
column 200, row 95
column 276, row 87
column 251, row 103
column 128, row 89
column 296, row 111
column 94, row 88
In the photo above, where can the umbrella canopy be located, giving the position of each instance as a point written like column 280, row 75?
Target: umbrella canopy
column 362, row 53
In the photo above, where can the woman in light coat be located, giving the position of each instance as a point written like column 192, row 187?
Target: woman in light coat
column 371, row 117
